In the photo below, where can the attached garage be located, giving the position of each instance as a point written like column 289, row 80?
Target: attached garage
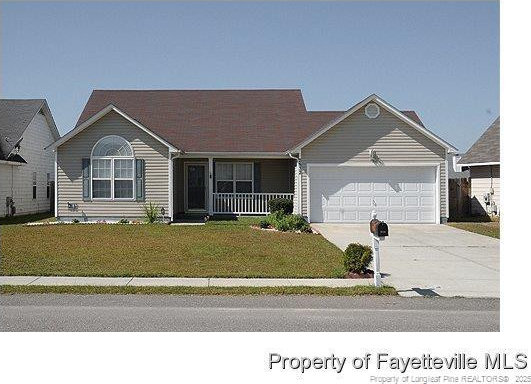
column 348, row 194
column 373, row 157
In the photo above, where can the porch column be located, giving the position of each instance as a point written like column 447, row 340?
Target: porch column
column 210, row 186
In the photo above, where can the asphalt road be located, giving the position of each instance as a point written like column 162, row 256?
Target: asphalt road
column 51, row 312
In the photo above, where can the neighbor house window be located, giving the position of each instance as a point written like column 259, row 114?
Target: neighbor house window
column 47, row 185
column 34, row 192
column 234, row 177
column 112, row 169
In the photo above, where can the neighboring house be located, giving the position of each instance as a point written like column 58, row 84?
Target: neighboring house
column 483, row 161
column 26, row 168
column 231, row 151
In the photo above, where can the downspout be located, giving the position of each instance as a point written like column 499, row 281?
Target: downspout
column 299, row 182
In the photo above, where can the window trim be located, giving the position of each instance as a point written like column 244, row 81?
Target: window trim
column 112, row 177
column 234, row 180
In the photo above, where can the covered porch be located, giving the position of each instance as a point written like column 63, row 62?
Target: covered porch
column 229, row 186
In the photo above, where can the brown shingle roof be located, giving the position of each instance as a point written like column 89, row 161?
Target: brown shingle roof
column 218, row 120
column 487, row 148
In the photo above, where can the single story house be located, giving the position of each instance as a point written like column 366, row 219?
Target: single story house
column 216, row 152
column 483, row 161
column 26, row 168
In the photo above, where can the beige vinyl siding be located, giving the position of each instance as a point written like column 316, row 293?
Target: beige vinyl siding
column 482, row 178
column 393, row 140
column 277, row 175
column 69, row 162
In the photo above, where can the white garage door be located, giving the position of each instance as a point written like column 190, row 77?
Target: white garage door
column 349, row 194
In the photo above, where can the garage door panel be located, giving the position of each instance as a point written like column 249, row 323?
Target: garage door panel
column 380, row 201
column 411, row 201
column 397, row 216
column 349, row 194
column 380, row 187
column 364, row 201
column 396, row 201
column 334, row 201
column 427, row 201
column 411, row 187
column 412, row 216
column 364, row 215
column 350, row 216
column 333, row 215
column 350, row 201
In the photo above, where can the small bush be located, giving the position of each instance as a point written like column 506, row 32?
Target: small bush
column 357, row 258
column 281, row 205
column 152, row 213
column 123, row 221
column 282, row 222
column 297, row 223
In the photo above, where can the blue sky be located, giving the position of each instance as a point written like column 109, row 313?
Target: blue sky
column 440, row 59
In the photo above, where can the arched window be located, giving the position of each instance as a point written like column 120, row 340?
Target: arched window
column 112, row 169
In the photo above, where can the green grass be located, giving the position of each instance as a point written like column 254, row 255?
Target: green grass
column 217, row 249
column 491, row 229
column 358, row 290
column 23, row 219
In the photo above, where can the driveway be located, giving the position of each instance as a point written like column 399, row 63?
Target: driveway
column 424, row 259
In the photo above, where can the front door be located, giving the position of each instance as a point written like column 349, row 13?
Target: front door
column 196, row 187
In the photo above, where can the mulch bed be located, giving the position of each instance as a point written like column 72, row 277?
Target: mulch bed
column 368, row 274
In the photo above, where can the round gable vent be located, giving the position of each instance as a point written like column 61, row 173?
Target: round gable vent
column 372, row 110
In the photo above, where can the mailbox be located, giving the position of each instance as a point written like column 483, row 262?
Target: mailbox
column 379, row 228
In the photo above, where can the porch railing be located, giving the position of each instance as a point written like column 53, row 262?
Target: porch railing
column 246, row 203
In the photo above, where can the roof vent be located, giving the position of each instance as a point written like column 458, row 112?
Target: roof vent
column 372, row 110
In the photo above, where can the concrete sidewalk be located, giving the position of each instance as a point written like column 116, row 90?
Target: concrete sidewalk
column 179, row 281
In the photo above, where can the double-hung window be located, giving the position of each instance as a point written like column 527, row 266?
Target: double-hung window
column 234, row 177
column 112, row 169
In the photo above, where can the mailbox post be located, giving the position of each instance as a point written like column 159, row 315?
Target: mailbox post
column 379, row 231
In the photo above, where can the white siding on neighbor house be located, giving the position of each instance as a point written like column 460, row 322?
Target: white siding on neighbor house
column 17, row 181
column 482, row 179
column 393, row 140
column 69, row 162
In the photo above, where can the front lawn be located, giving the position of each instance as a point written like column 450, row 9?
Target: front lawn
column 217, row 249
column 23, row 219
column 491, row 229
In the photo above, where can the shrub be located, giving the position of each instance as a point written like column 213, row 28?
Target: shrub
column 282, row 222
column 123, row 221
column 357, row 258
column 152, row 212
column 282, row 226
column 280, row 205
column 296, row 223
